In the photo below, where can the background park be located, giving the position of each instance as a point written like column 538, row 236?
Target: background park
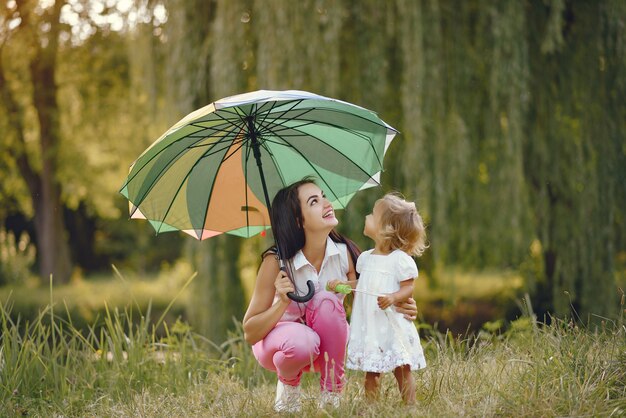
column 512, row 143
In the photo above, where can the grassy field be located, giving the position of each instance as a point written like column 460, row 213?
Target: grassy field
column 49, row 367
column 462, row 300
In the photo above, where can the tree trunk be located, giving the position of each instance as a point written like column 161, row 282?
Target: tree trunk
column 52, row 246
column 54, row 251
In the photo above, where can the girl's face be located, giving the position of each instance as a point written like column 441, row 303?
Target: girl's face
column 317, row 212
column 372, row 222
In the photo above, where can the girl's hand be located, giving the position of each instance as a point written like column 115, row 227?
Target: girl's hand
column 386, row 301
column 408, row 308
column 332, row 284
column 283, row 286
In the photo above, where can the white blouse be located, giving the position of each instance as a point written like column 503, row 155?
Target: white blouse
column 334, row 266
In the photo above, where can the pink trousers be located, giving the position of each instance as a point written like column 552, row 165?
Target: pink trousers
column 292, row 348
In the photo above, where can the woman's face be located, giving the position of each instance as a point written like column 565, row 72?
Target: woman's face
column 372, row 222
column 317, row 212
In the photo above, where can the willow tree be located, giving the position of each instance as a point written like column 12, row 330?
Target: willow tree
column 423, row 100
column 296, row 45
column 209, row 41
column 574, row 163
column 509, row 117
column 367, row 63
column 29, row 44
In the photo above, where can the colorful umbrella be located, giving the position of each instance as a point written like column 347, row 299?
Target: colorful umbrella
column 215, row 170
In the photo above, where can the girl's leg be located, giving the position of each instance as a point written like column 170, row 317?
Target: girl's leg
column 406, row 383
column 326, row 316
column 287, row 350
column 372, row 385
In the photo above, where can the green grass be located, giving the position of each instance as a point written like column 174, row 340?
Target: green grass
column 48, row 367
column 462, row 299
column 86, row 300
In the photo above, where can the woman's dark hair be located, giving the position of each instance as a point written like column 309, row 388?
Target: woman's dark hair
column 286, row 219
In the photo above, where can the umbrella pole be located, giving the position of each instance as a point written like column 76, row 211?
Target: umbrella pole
column 256, row 151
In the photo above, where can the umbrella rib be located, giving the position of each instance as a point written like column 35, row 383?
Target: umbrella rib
column 212, row 129
column 313, row 122
column 131, row 178
column 319, row 175
column 309, row 163
column 278, row 117
column 180, row 187
column 234, row 141
column 344, row 112
column 265, row 126
column 260, row 123
column 276, row 166
column 286, row 143
column 164, row 169
column 242, row 141
column 236, row 122
column 206, row 210
column 274, row 104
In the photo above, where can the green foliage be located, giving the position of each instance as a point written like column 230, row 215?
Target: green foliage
column 512, row 140
column 16, row 258
column 85, row 302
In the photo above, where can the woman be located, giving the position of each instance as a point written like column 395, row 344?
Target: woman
column 288, row 337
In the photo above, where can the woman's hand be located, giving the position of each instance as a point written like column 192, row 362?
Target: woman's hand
column 408, row 308
column 332, row 284
column 283, row 286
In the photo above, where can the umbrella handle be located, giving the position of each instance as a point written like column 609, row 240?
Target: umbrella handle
column 292, row 295
column 305, row 298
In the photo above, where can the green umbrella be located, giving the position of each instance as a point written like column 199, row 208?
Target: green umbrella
column 214, row 171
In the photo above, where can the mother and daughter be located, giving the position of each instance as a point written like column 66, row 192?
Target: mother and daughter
column 290, row 338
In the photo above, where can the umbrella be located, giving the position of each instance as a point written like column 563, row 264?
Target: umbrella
column 214, row 171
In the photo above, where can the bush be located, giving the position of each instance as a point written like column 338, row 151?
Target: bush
column 16, row 258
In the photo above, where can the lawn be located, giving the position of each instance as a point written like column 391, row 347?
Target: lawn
column 48, row 367
column 462, row 301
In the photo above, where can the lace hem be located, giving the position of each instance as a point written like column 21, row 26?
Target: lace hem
column 375, row 361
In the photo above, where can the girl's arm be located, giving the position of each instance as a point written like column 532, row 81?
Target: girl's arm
column 262, row 315
column 402, row 295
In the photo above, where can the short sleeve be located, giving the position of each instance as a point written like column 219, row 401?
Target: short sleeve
column 406, row 267
column 360, row 261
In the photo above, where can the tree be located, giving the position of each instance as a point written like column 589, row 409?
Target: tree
column 36, row 31
column 573, row 161
column 208, row 42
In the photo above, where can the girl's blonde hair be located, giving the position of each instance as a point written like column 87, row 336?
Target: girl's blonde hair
column 401, row 225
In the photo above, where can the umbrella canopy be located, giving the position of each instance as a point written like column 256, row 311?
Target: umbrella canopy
column 214, row 171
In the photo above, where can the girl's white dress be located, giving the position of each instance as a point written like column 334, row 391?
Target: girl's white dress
column 381, row 340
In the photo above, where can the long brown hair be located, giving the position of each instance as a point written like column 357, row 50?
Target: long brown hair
column 286, row 218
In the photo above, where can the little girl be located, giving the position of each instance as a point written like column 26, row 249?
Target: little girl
column 381, row 340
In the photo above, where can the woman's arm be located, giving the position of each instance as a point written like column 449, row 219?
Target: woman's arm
column 262, row 315
column 408, row 309
column 351, row 273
